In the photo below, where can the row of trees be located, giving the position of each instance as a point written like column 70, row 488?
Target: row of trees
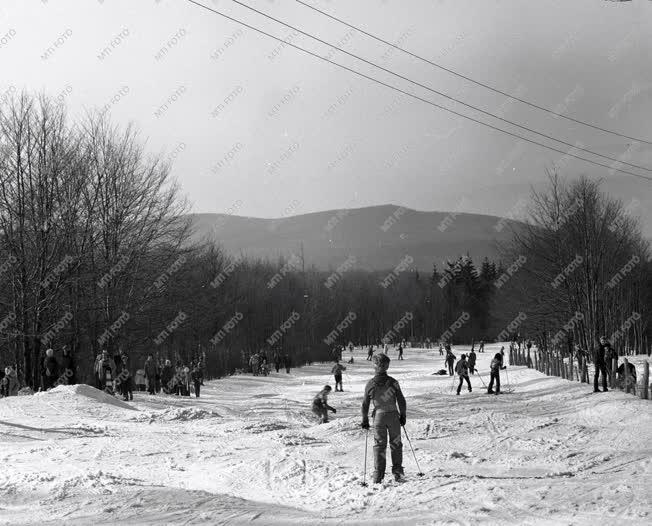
column 95, row 254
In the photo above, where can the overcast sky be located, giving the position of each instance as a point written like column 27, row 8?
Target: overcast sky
column 262, row 129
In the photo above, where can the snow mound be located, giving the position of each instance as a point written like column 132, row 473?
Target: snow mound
column 86, row 391
column 186, row 413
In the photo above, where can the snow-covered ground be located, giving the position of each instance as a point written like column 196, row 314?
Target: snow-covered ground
column 249, row 451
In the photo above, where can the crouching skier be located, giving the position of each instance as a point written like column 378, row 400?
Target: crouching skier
column 320, row 405
column 387, row 418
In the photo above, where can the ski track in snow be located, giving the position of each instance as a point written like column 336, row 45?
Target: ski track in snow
column 249, row 451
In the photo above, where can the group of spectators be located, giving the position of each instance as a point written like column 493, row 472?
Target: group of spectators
column 259, row 362
column 114, row 375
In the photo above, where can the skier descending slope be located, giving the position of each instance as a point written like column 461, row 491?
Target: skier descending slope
column 386, row 395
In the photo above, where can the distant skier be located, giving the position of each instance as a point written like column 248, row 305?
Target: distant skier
column 462, row 369
column 287, row 362
column 370, row 353
column 389, row 414
column 151, row 371
column 472, row 358
column 320, row 405
column 254, row 363
column 400, row 351
column 495, row 367
column 337, row 372
column 450, row 359
column 481, row 347
column 599, row 360
column 196, row 377
column 277, row 361
column 50, row 370
column 441, row 349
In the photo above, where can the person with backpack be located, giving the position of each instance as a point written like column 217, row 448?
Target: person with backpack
column 450, row 359
column 320, row 405
column 389, row 414
column 495, row 367
column 472, row 358
column 337, row 372
column 462, row 369
column 599, row 360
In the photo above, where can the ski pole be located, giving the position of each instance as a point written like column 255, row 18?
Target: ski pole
column 480, row 376
column 509, row 385
column 420, row 473
column 364, row 474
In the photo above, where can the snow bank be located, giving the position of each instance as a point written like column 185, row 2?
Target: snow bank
column 86, row 391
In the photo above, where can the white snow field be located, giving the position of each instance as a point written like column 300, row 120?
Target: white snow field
column 248, row 451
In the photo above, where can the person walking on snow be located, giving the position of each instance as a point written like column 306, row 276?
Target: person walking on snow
column 496, row 366
column 599, row 360
column 462, row 369
column 389, row 414
column 337, row 372
column 320, row 405
column 287, row 362
column 400, row 351
column 151, row 371
column 450, row 359
column 370, row 353
column 196, row 377
column 481, row 348
column 472, row 358
column 50, row 370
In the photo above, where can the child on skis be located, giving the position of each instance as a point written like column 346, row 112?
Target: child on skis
column 337, row 372
column 386, row 395
column 462, row 369
column 320, row 405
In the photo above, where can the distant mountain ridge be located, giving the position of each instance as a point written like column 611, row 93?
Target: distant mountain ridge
column 378, row 237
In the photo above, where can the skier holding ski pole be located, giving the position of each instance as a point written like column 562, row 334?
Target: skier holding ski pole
column 385, row 392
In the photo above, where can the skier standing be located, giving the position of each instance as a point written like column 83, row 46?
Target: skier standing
column 599, row 360
column 496, row 366
column 472, row 358
column 385, row 392
column 462, row 369
column 320, row 405
column 337, row 372
column 450, row 359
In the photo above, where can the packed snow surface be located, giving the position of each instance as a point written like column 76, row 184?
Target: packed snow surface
column 249, row 451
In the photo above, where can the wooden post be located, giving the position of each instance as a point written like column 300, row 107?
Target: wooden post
column 627, row 388
column 646, row 380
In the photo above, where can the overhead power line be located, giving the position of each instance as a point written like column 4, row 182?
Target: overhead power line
column 416, row 97
column 440, row 93
column 474, row 81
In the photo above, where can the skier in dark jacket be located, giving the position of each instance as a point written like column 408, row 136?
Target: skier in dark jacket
column 68, row 368
column 196, row 377
column 320, row 405
column 389, row 414
column 462, row 369
column 599, row 360
column 337, row 372
column 496, row 366
column 450, row 359
column 471, row 361
column 50, row 370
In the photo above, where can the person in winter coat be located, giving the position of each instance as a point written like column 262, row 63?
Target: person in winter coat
column 320, row 405
column 126, row 384
column 10, row 382
column 151, row 371
column 400, row 351
column 106, row 372
column 277, row 361
column 602, row 351
column 2, row 382
column 196, row 377
column 481, row 348
column 389, row 414
column 450, row 359
column 471, row 361
column 495, row 367
column 68, row 368
column 50, row 370
column 462, row 369
column 287, row 362
column 254, row 363
column 337, row 372
column 167, row 374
